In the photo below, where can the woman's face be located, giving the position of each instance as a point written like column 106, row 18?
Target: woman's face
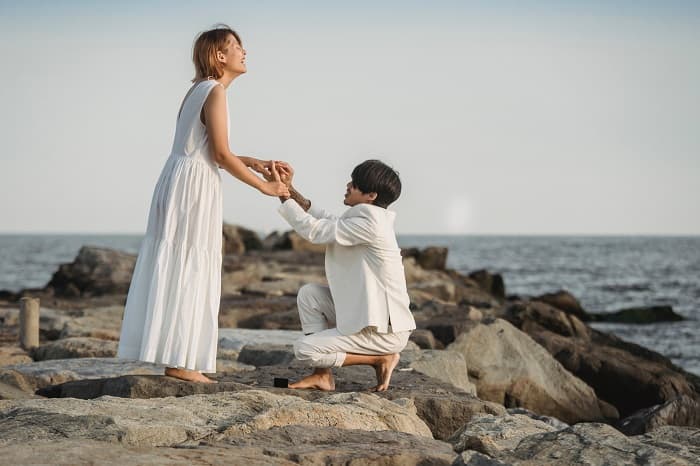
column 235, row 56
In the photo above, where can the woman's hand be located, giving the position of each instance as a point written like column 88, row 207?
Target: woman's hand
column 286, row 172
column 274, row 185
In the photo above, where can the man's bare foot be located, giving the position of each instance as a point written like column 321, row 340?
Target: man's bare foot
column 188, row 375
column 319, row 380
column 384, row 368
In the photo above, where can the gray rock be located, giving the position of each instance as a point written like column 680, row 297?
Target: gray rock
column 30, row 377
column 264, row 354
column 681, row 411
column 679, row 441
column 79, row 347
column 95, row 271
column 425, row 339
column 639, row 315
column 171, row 421
column 237, row 338
column 13, row 355
column 447, row 366
column 591, row 443
column 492, row 435
column 474, row 458
column 508, row 367
column 552, row 421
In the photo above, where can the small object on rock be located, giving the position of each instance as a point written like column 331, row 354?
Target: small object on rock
column 280, row 382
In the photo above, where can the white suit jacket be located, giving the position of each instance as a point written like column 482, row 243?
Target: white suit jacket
column 363, row 265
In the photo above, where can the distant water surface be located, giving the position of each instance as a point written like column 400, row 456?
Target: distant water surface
column 604, row 273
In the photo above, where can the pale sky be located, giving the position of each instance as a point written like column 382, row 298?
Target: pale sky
column 516, row 117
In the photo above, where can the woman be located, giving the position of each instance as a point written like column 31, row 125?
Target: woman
column 171, row 314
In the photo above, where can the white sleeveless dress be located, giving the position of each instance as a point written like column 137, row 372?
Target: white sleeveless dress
column 171, row 314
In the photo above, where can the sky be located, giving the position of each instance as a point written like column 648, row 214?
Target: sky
column 502, row 117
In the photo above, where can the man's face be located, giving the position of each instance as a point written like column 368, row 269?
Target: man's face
column 354, row 196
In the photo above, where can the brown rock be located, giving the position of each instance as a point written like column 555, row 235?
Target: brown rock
column 564, row 301
column 681, row 411
column 626, row 375
column 490, row 282
column 237, row 240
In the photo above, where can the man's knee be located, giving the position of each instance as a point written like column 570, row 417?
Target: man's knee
column 306, row 295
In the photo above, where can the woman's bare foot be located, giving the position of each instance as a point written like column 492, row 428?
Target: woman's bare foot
column 321, row 379
column 188, row 375
column 384, row 368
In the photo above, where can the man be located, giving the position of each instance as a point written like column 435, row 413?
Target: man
column 363, row 316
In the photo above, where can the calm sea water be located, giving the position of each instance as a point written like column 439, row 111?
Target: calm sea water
column 604, row 273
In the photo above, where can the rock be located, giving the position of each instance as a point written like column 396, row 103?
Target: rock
column 640, row 315
column 287, row 445
column 626, row 375
column 263, row 354
column 447, row 366
column 592, row 443
column 30, row 377
column 275, row 287
column 552, row 421
column 11, row 392
column 69, row 452
column 291, row 240
column 425, row 339
column 79, row 347
column 564, row 301
column 492, row 435
column 171, row 421
column 237, row 240
column 490, row 282
column 237, row 338
column 681, row 411
column 13, row 355
column 679, row 441
column 474, row 458
column 102, row 322
column 430, row 258
column 331, row 446
column 508, row 367
column 95, row 271
column 439, row 289
column 224, row 366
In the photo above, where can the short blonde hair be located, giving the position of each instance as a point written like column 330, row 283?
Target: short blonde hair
column 204, row 51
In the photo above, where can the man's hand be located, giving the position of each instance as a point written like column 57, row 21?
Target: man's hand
column 260, row 166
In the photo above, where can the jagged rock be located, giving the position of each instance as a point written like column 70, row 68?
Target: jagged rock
column 493, row 435
column 474, row 458
column 592, row 443
column 237, row 240
column 430, row 258
column 171, row 421
column 490, row 282
column 508, row 367
column 681, row 411
column 626, row 375
column 679, row 441
column 79, row 347
column 447, row 366
column 640, row 315
column 552, row 421
column 95, row 271
column 564, row 301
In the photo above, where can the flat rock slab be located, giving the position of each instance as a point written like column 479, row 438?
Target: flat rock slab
column 30, row 377
column 237, row 338
column 172, row 421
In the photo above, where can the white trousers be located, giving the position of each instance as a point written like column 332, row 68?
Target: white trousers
column 323, row 345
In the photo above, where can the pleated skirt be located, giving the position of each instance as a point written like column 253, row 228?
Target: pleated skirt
column 171, row 313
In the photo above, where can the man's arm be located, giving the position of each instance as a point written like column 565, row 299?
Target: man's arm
column 351, row 229
column 297, row 197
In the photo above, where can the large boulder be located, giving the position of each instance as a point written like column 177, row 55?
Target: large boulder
column 447, row 366
column 508, row 367
column 430, row 258
column 237, row 240
column 95, row 271
column 490, row 282
column 626, row 375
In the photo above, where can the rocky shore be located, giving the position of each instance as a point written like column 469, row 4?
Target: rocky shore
column 487, row 379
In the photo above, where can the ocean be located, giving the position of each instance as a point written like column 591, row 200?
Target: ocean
column 604, row 273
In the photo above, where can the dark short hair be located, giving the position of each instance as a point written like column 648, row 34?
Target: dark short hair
column 373, row 176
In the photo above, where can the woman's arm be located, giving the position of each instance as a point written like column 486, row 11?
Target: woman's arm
column 216, row 124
